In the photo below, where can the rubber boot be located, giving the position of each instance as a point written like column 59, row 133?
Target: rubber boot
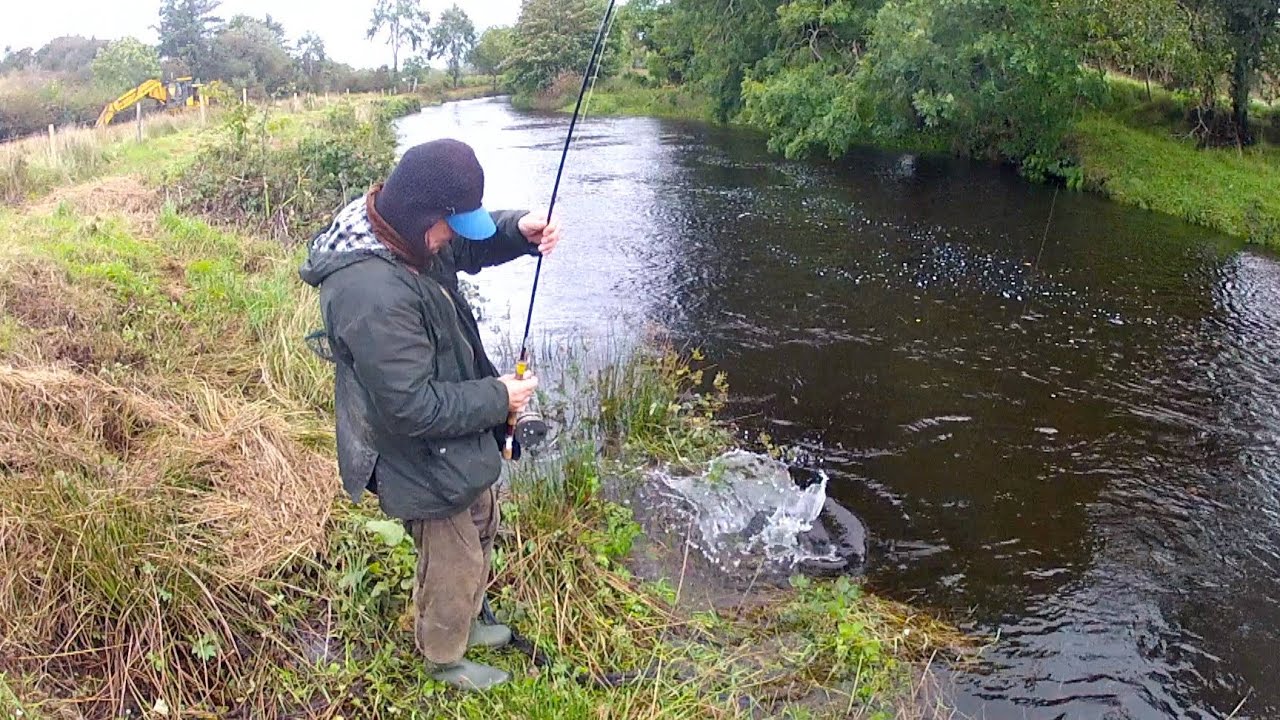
column 467, row 675
column 490, row 636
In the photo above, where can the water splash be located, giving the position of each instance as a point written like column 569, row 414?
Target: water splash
column 749, row 514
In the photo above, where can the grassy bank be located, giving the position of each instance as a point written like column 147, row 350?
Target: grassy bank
column 172, row 543
column 1138, row 150
column 621, row 96
column 1133, row 150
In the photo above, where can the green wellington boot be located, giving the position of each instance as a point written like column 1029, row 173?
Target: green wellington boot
column 490, row 636
column 467, row 675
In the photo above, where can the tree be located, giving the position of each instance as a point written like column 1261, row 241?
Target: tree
column 491, row 52
column 187, row 29
column 17, row 59
column 250, row 52
column 552, row 37
column 404, row 22
column 125, row 63
column 998, row 79
column 69, row 54
column 1252, row 30
column 452, row 38
column 714, row 44
column 312, row 58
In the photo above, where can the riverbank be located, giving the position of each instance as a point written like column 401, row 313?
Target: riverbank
column 1132, row 151
column 172, row 540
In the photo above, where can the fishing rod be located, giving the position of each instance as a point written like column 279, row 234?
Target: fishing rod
column 593, row 69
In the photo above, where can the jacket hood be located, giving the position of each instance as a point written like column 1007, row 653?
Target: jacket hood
column 349, row 239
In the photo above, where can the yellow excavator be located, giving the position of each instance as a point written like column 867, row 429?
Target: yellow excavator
column 182, row 91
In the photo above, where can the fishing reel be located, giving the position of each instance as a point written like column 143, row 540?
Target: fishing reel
column 526, row 430
column 530, row 433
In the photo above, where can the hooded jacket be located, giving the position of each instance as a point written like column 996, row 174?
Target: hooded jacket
column 418, row 407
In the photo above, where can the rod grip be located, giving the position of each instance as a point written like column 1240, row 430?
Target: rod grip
column 508, row 446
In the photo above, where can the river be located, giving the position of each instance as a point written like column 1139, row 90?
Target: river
column 1065, row 432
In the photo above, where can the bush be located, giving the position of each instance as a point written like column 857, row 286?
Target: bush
column 256, row 174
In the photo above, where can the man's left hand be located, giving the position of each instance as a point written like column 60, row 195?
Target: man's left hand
column 536, row 229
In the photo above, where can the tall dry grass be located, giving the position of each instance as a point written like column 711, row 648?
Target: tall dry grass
column 34, row 165
column 163, row 479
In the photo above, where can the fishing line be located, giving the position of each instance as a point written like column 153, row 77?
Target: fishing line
column 1044, row 240
column 588, row 82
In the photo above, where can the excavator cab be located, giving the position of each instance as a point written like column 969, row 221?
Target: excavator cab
column 184, row 92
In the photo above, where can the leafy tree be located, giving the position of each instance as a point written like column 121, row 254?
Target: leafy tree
column 312, row 59
column 125, row 63
column 17, row 59
column 490, row 55
column 187, row 29
column 714, row 44
column 1252, row 32
column 552, row 37
column 250, row 52
column 453, row 38
column 983, row 77
column 405, row 24
column 69, row 54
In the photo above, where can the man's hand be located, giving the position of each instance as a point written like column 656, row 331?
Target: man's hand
column 538, row 231
column 519, row 391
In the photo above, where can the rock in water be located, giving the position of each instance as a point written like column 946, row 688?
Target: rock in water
column 750, row 515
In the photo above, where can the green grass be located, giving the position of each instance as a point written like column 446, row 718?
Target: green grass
column 626, row 98
column 1232, row 191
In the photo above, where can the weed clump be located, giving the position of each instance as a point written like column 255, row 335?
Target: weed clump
column 274, row 175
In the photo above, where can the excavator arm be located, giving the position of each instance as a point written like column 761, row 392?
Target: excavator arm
column 150, row 89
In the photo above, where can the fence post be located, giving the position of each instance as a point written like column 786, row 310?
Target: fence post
column 138, row 113
column 244, row 96
column 204, row 117
column 53, row 145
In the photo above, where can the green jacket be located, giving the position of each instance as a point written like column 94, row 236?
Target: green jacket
column 418, row 407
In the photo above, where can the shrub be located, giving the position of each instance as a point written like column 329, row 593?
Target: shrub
column 269, row 177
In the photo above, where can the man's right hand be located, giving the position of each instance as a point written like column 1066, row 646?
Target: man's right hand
column 519, row 392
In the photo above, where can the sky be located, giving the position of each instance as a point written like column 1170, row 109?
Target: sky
column 342, row 23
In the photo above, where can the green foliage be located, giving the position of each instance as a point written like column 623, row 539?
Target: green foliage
column 453, row 38
column 313, row 62
column 125, row 63
column 492, row 50
column 187, row 28
column 979, row 77
column 404, row 23
column 1154, row 40
column 1252, row 32
column 69, row 54
column 289, row 185
column 715, row 45
column 552, row 37
column 250, row 53
column 658, row 405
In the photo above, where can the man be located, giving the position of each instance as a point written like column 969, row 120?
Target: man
column 420, row 408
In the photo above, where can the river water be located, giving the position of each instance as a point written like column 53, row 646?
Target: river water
column 1070, row 438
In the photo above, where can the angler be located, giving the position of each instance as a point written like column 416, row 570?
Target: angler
column 421, row 411
column 423, row 419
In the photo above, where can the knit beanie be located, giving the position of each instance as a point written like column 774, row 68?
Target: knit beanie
column 432, row 181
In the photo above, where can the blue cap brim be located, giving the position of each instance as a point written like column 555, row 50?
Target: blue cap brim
column 474, row 225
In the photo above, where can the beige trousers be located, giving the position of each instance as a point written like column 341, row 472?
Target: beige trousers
column 452, row 575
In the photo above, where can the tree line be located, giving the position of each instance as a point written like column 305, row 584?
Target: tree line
column 69, row 79
column 1003, row 78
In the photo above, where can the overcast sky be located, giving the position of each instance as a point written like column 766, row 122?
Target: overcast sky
column 342, row 23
